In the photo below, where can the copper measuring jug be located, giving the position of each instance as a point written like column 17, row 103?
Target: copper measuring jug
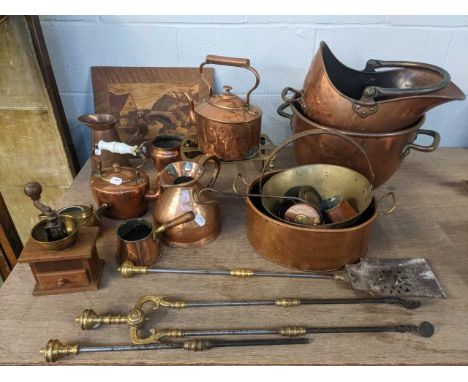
column 137, row 240
column 180, row 184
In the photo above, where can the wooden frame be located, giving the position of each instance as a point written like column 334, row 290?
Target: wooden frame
column 10, row 242
column 148, row 101
column 43, row 59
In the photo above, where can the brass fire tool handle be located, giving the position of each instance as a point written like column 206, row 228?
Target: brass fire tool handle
column 128, row 269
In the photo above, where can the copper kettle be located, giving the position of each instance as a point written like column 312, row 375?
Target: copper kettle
column 228, row 126
column 180, row 185
column 125, row 190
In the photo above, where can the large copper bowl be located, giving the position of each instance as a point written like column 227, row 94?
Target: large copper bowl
column 386, row 151
column 307, row 249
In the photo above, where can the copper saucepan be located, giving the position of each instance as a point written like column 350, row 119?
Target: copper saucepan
column 386, row 151
column 369, row 100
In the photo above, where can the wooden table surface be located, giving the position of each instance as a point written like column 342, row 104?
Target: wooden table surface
column 431, row 222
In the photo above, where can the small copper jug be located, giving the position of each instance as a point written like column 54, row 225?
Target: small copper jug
column 165, row 150
column 137, row 240
column 103, row 128
column 179, row 193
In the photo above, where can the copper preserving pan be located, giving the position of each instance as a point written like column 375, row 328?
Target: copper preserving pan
column 386, row 151
column 307, row 249
column 369, row 100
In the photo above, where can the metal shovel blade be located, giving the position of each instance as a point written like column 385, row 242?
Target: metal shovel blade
column 395, row 277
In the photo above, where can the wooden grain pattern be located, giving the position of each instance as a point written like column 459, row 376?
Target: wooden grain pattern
column 431, row 194
column 148, row 101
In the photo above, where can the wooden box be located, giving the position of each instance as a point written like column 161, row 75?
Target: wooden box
column 74, row 269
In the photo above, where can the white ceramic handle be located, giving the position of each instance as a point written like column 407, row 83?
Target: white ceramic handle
column 117, row 147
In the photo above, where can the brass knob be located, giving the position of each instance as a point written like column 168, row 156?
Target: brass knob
column 62, row 282
column 227, row 89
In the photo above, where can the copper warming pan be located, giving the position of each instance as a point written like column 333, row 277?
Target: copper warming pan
column 307, row 249
column 386, row 151
column 369, row 100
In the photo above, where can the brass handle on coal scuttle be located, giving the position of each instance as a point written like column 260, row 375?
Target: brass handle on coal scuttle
column 426, row 149
column 230, row 61
column 371, row 92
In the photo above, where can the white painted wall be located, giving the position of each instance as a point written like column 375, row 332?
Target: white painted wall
column 279, row 47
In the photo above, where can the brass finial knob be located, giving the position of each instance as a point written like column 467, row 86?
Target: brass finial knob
column 55, row 350
column 128, row 269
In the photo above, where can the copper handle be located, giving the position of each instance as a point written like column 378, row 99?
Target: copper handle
column 230, row 61
column 294, row 98
column 315, row 132
column 426, row 149
column 184, row 218
column 281, row 111
column 206, row 158
column 392, row 207
column 376, row 91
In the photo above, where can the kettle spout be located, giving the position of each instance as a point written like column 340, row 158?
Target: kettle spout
column 191, row 114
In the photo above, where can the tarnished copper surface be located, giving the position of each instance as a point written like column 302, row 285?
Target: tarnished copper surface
column 180, row 185
column 308, row 249
column 337, row 209
column 126, row 200
column 345, row 109
column 227, row 125
column 103, row 128
column 165, row 150
column 386, row 151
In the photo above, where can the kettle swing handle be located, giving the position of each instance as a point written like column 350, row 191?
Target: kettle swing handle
column 371, row 92
column 230, row 61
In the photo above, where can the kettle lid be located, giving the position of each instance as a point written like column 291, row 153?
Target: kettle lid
column 228, row 107
column 124, row 173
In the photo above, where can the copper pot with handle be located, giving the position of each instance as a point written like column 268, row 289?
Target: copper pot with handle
column 137, row 240
column 228, row 126
column 180, row 185
column 369, row 100
column 386, row 151
column 125, row 190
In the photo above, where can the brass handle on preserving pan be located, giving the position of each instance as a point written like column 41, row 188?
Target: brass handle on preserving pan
column 426, row 149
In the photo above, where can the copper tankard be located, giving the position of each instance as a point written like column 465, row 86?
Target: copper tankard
column 137, row 240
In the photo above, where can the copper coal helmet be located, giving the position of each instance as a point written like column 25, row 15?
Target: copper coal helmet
column 180, row 185
column 228, row 126
column 369, row 100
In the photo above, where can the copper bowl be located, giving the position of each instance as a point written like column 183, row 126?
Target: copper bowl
column 386, row 151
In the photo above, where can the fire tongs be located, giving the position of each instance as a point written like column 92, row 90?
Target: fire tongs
column 136, row 318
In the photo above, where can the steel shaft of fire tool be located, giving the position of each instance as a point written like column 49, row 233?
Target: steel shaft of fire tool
column 230, row 273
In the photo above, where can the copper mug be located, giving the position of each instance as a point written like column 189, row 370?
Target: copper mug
column 137, row 240
column 337, row 209
column 165, row 150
